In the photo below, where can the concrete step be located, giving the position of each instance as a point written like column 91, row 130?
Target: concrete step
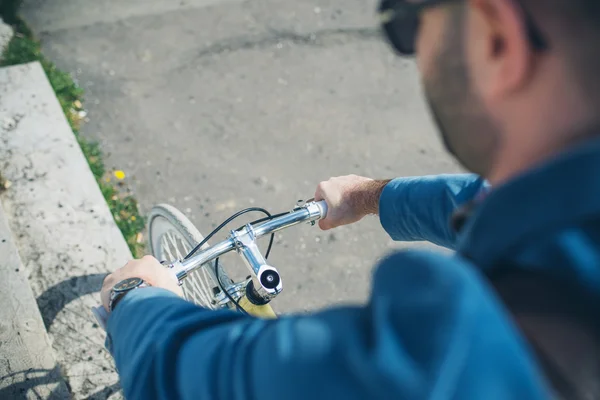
column 6, row 34
column 63, row 229
column 28, row 368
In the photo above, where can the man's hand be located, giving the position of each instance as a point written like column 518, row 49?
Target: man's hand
column 349, row 199
column 149, row 269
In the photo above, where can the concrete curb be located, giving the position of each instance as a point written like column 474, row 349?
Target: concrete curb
column 65, row 233
column 27, row 362
column 6, row 34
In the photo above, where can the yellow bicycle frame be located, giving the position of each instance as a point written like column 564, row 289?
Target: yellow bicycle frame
column 258, row 311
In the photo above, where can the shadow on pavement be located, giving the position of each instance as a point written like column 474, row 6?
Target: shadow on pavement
column 34, row 383
column 53, row 300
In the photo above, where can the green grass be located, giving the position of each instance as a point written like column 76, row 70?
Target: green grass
column 24, row 48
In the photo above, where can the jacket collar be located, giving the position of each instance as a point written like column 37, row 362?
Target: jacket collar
column 559, row 193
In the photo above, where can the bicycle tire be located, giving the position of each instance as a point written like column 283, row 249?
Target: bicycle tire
column 199, row 286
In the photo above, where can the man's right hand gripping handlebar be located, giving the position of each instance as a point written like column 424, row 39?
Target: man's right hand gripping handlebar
column 349, row 199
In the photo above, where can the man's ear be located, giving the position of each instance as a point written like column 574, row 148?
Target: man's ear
column 498, row 28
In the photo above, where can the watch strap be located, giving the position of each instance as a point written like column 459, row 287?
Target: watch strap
column 116, row 297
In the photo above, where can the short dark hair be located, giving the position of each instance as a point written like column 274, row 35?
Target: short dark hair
column 567, row 18
column 572, row 27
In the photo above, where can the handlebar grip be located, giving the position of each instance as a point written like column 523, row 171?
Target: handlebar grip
column 323, row 207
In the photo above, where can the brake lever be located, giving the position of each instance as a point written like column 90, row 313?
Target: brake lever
column 301, row 204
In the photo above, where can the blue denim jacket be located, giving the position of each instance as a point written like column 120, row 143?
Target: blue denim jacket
column 432, row 327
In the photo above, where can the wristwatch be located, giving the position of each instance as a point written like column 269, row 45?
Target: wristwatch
column 122, row 288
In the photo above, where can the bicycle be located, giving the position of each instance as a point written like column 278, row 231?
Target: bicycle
column 175, row 241
column 180, row 246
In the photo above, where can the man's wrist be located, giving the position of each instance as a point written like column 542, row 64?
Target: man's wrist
column 122, row 288
column 367, row 197
column 117, row 300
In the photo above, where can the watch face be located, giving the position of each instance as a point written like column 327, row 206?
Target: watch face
column 127, row 284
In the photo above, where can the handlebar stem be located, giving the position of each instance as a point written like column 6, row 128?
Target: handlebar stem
column 267, row 281
column 244, row 241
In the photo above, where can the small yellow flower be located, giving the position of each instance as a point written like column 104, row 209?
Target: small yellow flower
column 120, row 175
column 107, row 179
column 133, row 217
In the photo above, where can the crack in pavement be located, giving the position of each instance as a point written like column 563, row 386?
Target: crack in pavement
column 275, row 37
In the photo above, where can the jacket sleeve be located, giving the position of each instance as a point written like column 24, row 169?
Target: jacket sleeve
column 420, row 208
column 428, row 331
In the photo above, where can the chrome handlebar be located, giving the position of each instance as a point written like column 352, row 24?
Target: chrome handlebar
column 266, row 280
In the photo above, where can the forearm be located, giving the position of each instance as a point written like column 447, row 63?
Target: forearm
column 366, row 198
column 420, row 208
column 145, row 335
column 428, row 326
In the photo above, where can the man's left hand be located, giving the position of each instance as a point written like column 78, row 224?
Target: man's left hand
column 149, row 270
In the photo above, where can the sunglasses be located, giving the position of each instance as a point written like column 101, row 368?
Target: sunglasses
column 400, row 22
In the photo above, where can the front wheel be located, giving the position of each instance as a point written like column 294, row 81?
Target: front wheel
column 172, row 236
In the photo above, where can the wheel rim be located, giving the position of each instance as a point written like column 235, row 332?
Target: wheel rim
column 169, row 245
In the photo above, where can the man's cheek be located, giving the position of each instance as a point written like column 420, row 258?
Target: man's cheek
column 425, row 62
column 428, row 42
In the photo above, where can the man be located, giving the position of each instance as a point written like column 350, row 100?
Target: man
column 513, row 87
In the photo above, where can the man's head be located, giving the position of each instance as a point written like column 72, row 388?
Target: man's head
column 509, row 82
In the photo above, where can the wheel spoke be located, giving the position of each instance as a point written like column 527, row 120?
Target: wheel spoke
column 205, row 274
column 198, row 285
column 173, row 244
column 166, row 249
column 203, row 282
column 201, row 272
column 199, row 293
column 173, row 240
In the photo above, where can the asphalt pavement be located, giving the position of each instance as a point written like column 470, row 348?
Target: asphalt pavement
column 214, row 106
